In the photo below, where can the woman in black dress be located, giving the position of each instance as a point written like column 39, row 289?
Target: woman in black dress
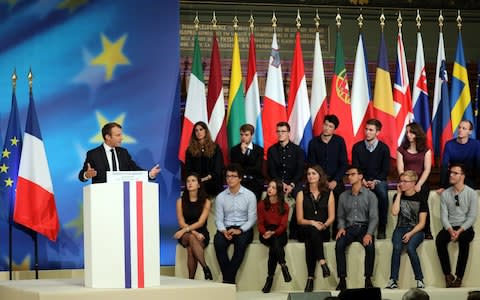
column 315, row 207
column 193, row 208
column 203, row 156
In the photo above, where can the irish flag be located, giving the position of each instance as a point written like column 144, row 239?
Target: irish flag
column 35, row 204
column 196, row 104
column 236, row 100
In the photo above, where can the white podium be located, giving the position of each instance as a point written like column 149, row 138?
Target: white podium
column 121, row 235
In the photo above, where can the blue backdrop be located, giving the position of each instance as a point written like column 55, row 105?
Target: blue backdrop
column 93, row 62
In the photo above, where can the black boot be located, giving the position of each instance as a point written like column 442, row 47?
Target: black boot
column 368, row 283
column 325, row 270
column 342, row 284
column 207, row 273
column 268, row 284
column 286, row 274
column 309, row 285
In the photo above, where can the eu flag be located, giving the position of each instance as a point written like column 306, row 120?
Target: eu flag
column 10, row 161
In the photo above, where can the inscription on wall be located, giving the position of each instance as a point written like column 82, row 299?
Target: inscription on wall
column 263, row 38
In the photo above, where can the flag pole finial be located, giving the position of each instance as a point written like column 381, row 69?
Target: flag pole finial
column 251, row 22
column 418, row 20
column 382, row 20
column 14, row 79
column 298, row 20
column 459, row 21
column 274, row 22
column 440, row 20
column 30, row 79
column 214, row 21
column 399, row 20
column 235, row 23
column 196, row 21
column 338, row 19
column 360, row 19
column 317, row 20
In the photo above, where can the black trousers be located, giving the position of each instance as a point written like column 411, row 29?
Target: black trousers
column 354, row 234
column 276, row 251
column 229, row 267
column 313, row 239
column 442, row 240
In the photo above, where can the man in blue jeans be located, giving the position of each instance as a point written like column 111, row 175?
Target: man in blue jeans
column 235, row 215
column 373, row 158
column 357, row 219
column 411, row 210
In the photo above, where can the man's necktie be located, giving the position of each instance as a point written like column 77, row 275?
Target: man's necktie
column 114, row 161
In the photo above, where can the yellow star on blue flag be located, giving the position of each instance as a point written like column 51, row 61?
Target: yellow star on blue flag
column 111, row 56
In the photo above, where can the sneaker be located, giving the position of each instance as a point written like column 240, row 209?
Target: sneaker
column 392, row 284
column 420, row 284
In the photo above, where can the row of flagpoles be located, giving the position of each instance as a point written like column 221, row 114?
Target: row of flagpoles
column 24, row 174
column 394, row 107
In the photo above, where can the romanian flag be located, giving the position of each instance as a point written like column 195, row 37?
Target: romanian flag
column 383, row 107
column 236, row 100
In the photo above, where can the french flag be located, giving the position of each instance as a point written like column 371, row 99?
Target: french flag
column 35, row 203
column 298, row 105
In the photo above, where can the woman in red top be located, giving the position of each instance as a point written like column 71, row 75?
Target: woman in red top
column 272, row 220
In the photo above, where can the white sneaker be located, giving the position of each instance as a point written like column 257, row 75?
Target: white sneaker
column 392, row 284
column 420, row 284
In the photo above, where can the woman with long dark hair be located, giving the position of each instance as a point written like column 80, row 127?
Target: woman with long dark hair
column 272, row 221
column 203, row 156
column 193, row 208
column 315, row 207
column 414, row 154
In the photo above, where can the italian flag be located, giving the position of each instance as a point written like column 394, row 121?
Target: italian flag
column 196, row 104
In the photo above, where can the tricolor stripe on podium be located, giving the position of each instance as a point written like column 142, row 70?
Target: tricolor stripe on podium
column 133, row 235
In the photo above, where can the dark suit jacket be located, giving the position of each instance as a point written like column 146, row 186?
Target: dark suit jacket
column 252, row 163
column 98, row 160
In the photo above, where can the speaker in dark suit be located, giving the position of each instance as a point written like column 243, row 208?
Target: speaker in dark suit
column 365, row 293
column 97, row 163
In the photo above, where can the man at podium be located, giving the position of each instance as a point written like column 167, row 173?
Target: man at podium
column 110, row 157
